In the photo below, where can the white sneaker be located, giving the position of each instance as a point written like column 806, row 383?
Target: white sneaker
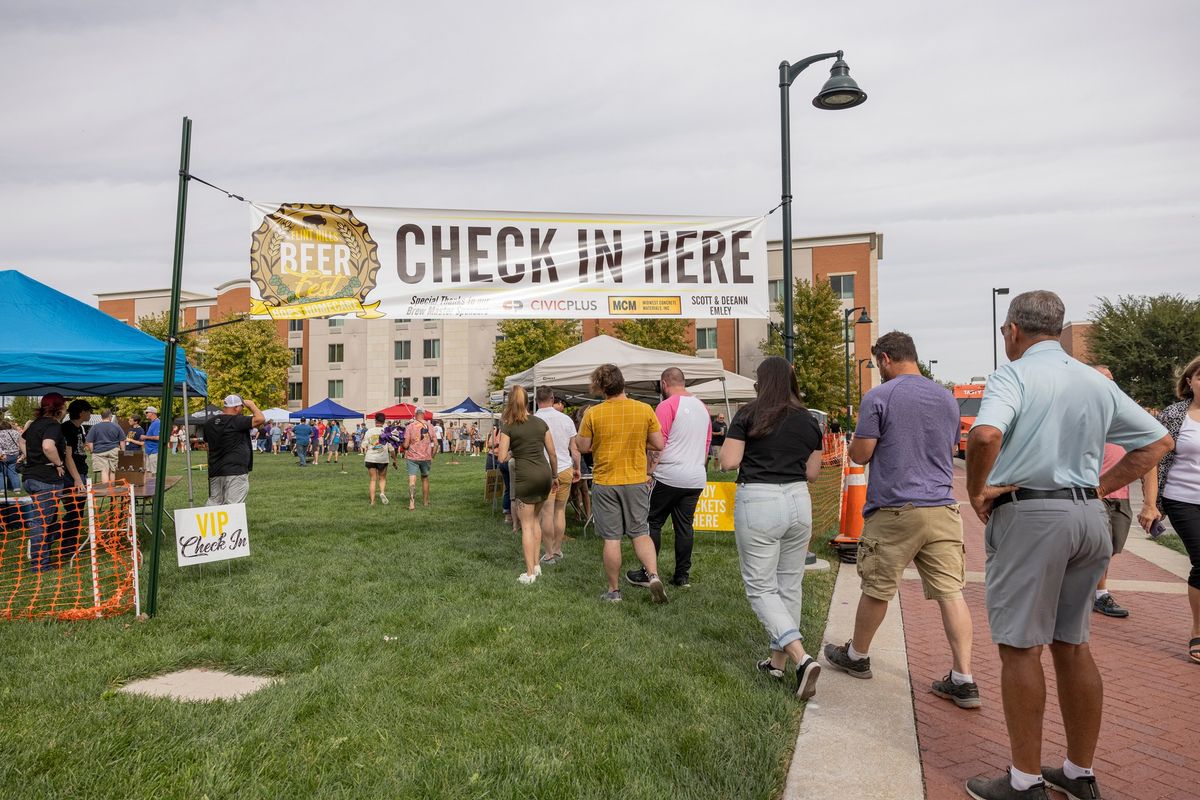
column 383, row 498
column 537, row 571
column 526, row 578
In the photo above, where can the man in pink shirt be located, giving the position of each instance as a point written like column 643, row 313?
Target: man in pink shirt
column 1120, row 518
column 418, row 453
column 678, row 472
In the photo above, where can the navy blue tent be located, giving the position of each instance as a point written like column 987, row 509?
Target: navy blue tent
column 467, row 406
column 55, row 343
column 326, row 409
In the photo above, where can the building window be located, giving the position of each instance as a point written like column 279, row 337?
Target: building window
column 402, row 322
column 295, row 325
column 706, row 338
column 500, row 338
column 335, row 389
column 336, row 322
column 337, row 353
column 431, row 387
column 402, row 350
column 843, row 286
column 295, row 391
column 201, row 324
column 775, row 292
column 401, row 387
column 297, row 356
column 433, row 349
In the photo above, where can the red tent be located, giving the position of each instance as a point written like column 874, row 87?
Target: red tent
column 400, row 411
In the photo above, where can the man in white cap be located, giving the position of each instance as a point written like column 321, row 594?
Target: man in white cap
column 230, row 457
column 150, row 439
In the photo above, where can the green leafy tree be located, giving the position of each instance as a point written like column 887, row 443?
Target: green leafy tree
column 1145, row 341
column 668, row 335
column 21, row 409
column 247, row 359
column 820, row 358
column 528, row 341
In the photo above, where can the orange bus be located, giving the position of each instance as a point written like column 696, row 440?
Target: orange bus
column 969, row 396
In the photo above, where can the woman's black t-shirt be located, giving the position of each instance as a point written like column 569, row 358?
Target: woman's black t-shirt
column 37, row 466
column 781, row 455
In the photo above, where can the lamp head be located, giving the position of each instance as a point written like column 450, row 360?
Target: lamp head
column 840, row 91
column 864, row 318
column 870, row 364
column 1001, row 291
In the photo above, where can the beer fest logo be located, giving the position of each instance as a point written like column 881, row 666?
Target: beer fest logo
column 312, row 260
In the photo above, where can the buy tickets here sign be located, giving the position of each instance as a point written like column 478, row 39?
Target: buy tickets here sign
column 714, row 509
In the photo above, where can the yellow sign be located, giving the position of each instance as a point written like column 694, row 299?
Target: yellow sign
column 714, row 509
column 313, row 261
column 644, row 306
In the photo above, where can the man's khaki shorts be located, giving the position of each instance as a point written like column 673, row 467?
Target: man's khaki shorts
column 106, row 461
column 564, row 486
column 932, row 538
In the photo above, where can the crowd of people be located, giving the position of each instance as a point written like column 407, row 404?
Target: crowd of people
column 1050, row 457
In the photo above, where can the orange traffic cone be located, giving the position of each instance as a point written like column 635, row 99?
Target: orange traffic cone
column 854, row 497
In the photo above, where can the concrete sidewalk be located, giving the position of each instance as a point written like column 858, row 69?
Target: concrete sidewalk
column 858, row 737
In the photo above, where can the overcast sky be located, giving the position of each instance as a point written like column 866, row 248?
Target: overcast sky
column 1020, row 144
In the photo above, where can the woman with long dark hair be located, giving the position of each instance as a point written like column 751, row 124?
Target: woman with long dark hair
column 45, row 478
column 1178, row 485
column 526, row 438
column 775, row 444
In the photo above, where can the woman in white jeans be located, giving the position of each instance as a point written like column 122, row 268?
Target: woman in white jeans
column 775, row 444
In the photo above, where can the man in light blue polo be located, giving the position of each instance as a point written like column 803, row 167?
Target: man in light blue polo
column 1033, row 475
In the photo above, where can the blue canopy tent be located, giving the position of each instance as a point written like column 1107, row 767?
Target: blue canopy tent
column 467, row 406
column 326, row 409
column 55, row 343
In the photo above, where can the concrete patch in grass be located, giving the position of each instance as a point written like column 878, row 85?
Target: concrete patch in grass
column 199, row 685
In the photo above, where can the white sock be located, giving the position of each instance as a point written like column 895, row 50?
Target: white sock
column 854, row 654
column 1100, row 593
column 1076, row 772
column 1022, row 780
column 959, row 679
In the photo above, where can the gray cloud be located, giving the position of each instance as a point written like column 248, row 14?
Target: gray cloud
column 1025, row 144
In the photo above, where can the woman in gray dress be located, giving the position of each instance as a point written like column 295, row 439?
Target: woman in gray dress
column 526, row 440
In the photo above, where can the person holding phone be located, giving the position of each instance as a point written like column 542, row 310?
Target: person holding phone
column 1177, row 488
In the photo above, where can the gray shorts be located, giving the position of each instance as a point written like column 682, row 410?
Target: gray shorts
column 228, row 489
column 621, row 510
column 1120, row 518
column 1044, row 559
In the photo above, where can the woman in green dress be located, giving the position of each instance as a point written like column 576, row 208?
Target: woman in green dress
column 526, row 440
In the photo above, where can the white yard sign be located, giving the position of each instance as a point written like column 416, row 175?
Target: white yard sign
column 211, row 533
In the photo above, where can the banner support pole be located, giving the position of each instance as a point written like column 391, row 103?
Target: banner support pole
column 168, row 387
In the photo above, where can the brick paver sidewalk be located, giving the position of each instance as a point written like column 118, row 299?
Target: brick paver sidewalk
column 1150, row 738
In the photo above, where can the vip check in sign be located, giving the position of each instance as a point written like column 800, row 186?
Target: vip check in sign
column 211, row 533
column 714, row 509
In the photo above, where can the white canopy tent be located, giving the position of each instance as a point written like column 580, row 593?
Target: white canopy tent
column 570, row 371
column 735, row 388
column 277, row 415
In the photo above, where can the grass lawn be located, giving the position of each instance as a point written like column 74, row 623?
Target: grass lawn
column 489, row 688
column 1172, row 541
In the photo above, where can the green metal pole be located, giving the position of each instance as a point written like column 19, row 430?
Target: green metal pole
column 846, row 322
column 168, row 387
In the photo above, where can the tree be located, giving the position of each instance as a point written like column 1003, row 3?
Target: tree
column 668, row 335
column 247, row 359
column 528, row 341
column 820, row 358
column 1145, row 341
column 21, row 409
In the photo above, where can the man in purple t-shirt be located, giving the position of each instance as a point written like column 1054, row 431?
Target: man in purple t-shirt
column 908, row 431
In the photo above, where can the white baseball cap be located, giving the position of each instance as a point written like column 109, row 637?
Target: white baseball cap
column 150, row 410
column 232, row 401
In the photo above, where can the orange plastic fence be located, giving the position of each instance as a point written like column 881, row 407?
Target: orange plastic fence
column 827, row 491
column 70, row 554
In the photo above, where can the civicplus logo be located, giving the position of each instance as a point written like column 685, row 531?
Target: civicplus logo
column 513, row 305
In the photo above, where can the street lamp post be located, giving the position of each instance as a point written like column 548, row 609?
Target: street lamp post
column 870, row 365
column 995, row 358
column 863, row 319
column 839, row 92
column 932, row 361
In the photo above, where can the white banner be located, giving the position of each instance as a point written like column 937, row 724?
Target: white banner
column 211, row 533
column 323, row 260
